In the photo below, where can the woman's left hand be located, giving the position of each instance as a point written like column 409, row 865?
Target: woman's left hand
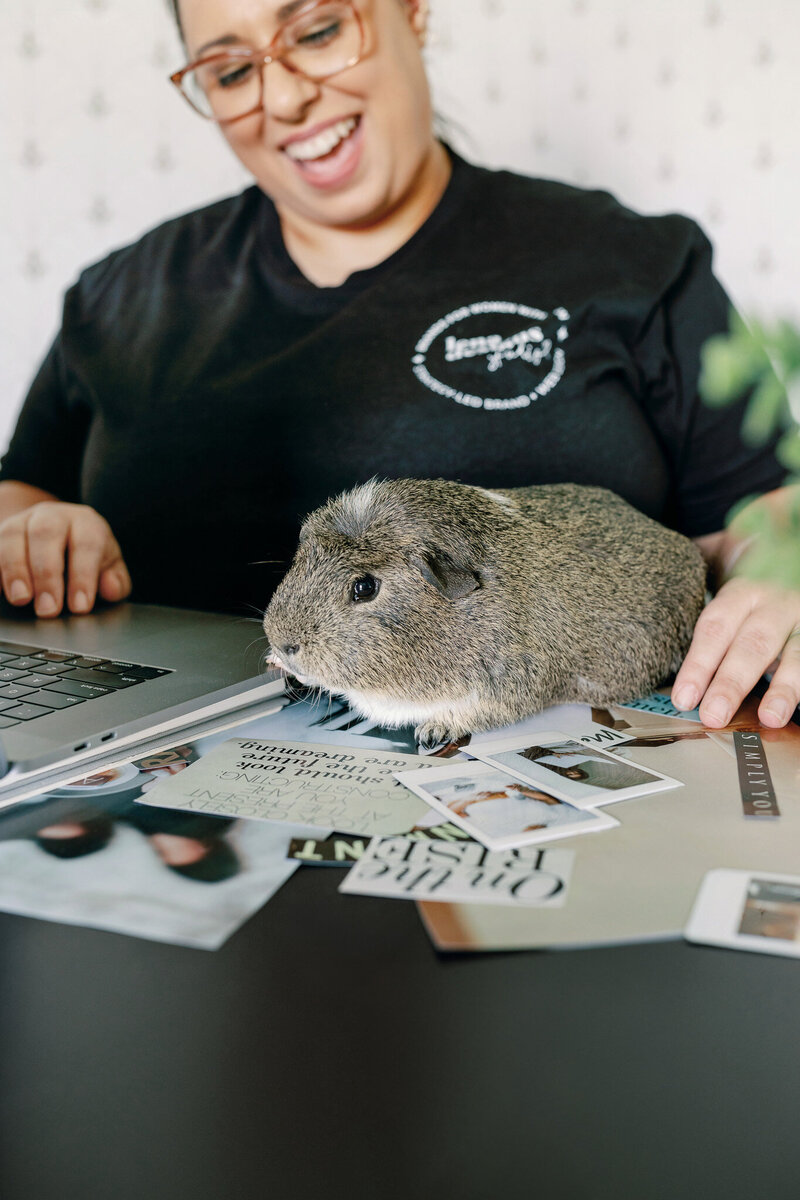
column 747, row 629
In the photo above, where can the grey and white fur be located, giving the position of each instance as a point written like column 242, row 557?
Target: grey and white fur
column 485, row 606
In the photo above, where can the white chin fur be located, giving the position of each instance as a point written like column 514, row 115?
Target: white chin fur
column 394, row 713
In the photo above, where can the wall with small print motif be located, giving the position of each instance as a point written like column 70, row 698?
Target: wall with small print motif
column 685, row 105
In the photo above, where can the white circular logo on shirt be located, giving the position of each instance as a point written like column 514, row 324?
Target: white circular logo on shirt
column 493, row 354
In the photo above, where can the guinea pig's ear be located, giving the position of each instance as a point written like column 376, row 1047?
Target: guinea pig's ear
column 452, row 580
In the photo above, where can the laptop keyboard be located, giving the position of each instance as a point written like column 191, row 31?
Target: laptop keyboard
column 35, row 682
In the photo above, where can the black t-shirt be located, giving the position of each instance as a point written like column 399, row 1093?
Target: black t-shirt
column 204, row 396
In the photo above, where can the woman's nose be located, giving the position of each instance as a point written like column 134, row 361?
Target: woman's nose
column 284, row 93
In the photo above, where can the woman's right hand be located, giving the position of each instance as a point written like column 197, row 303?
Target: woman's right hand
column 51, row 548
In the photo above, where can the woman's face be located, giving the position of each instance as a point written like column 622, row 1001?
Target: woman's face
column 383, row 102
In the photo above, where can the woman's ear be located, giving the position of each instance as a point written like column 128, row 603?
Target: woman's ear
column 418, row 17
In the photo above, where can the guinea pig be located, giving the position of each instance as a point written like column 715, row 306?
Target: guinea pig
column 454, row 608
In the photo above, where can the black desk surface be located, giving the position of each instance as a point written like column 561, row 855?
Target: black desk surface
column 327, row 1050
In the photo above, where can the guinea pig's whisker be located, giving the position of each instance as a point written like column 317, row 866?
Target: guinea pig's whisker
column 264, row 653
column 259, row 617
column 314, row 697
column 297, row 691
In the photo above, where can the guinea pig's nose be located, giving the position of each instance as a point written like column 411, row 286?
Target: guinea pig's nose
column 289, row 650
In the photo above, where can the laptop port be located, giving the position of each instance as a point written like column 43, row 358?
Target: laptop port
column 108, row 736
column 83, row 746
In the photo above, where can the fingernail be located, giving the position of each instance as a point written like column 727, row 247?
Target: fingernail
column 80, row 601
column 718, row 709
column 46, row 605
column 19, row 592
column 778, row 709
column 686, row 697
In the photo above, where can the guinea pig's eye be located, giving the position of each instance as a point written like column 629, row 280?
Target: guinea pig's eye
column 365, row 588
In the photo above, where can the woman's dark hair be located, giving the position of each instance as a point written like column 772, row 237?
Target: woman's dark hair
column 219, row 863
column 96, row 834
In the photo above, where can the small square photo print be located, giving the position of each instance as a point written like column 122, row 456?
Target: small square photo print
column 582, row 775
column 748, row 911
column 499, row 810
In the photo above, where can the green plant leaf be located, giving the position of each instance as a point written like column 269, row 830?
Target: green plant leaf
column 783, row 343
column 767, row 411
column 747, row 519
column 788, row 450
column 774, row 558
column 766, row 361
column 729, row 366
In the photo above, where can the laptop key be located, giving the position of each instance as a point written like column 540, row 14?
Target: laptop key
column 87, row 662
column 52, row 656
column 7, row 722
column 54, row 668
column 33, row 681
column 69, row 687
column 7, row 675
column 27, row 712
column 13, row 691
column 119, row 681
column 22, row 664
column 10, row 701
column 53, row 699
column 106, row 681
column 18, row 648
column 118, row 668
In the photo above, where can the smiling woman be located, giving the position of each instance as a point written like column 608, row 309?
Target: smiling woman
column 371, row 305
column 225, row 82
column 332, row 117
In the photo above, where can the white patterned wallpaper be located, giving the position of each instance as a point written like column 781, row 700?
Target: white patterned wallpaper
column 685, row 105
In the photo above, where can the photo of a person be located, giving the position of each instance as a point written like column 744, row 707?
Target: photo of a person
column 772, row 910
column 74, row 839
column 580, row 774
column 91, row 853
column 499, row 806
column 163, row 763
column 506, row 810
column 192, row 845
column 571, row 760
column 88, row 854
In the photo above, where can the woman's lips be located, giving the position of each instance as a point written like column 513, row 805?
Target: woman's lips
column 338, row 151
column 321, row 142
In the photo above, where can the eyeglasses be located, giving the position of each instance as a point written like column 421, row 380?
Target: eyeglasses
column 319, row 41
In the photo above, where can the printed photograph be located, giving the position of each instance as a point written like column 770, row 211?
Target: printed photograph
column 498, row 809
column 91, row 853
column 772, row 910
column 572, row 771
column 88, row 854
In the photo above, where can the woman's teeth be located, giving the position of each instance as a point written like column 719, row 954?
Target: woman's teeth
column 322, row 143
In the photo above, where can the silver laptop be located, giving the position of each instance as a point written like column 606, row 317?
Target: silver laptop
column 74, row 689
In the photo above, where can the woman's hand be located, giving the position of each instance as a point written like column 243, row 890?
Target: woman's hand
column 742, row 633
column 752, row 625
column 52, row 547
